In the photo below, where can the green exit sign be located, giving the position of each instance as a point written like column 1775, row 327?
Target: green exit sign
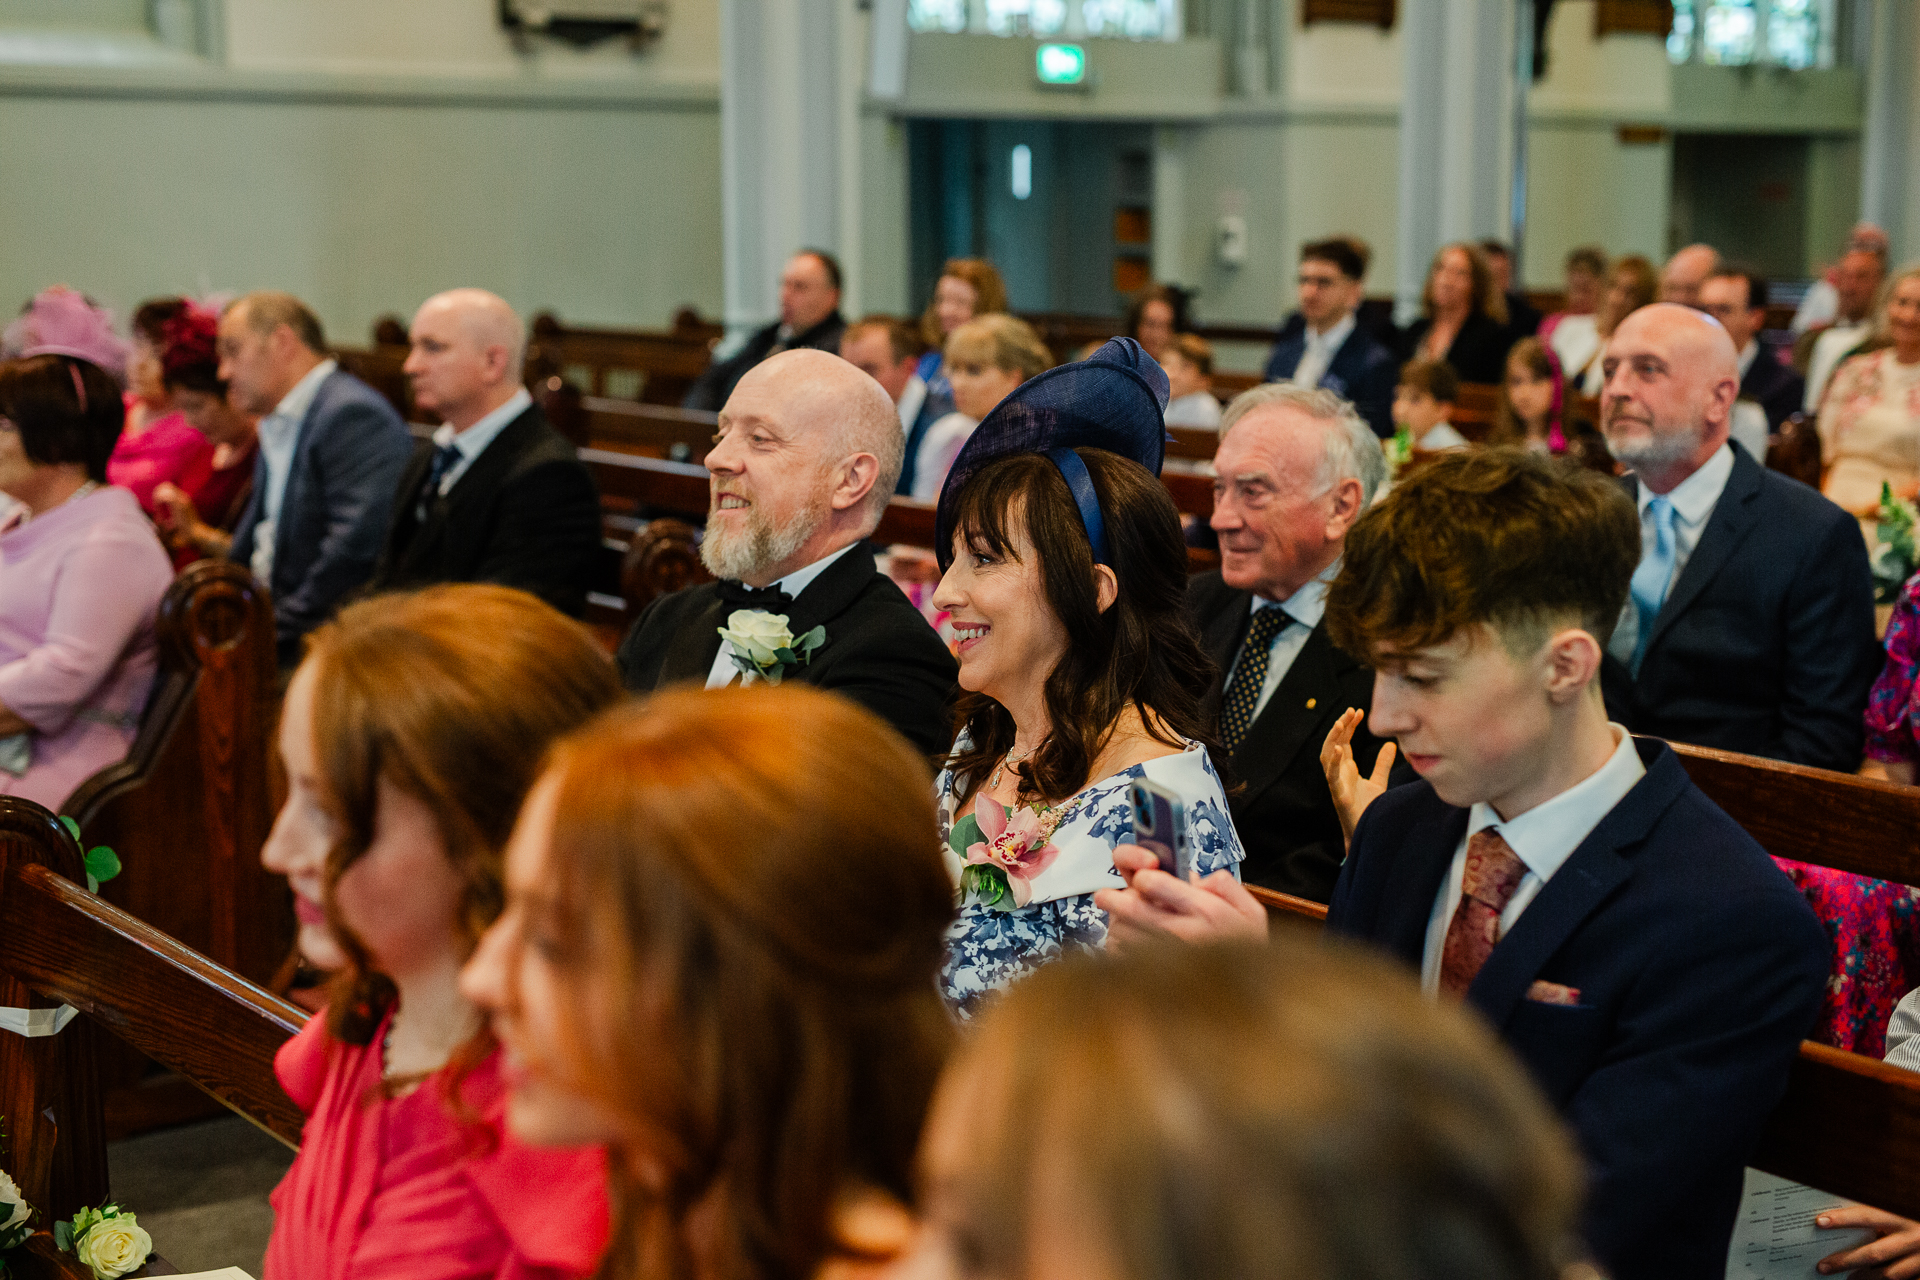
column 1063, row 64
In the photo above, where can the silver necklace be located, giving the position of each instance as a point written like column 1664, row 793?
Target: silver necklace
column 993, row 783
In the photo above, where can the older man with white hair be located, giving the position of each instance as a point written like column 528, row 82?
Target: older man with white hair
column 1749, row 624
column 806, row 459
column 497, row 495
column 1296, row 467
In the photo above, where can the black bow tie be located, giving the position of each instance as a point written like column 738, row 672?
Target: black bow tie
column 739, row 595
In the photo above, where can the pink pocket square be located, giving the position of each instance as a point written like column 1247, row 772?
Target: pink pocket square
column 1553, row 993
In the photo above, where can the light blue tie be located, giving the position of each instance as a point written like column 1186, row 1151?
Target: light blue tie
column 1653, row 577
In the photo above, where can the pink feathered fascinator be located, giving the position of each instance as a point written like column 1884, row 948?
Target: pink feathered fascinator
column 62, row 322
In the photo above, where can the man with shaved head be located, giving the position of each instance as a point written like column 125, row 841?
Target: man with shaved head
column 1686, row 271
column 1749, row 625
column 807, row 455
column 497, row 495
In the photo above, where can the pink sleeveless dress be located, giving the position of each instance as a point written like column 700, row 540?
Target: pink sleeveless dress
column 401, row 1187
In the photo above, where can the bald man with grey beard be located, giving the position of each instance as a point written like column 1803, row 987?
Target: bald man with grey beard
column 497, row 495
column 807, row 456
column 1749, row 624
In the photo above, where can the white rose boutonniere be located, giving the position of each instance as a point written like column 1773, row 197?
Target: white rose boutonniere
column 762, row 645
column 109, row 1242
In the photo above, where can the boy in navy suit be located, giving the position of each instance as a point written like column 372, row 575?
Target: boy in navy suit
column 1631, row 944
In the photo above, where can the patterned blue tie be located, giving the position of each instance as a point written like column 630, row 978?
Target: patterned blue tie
column 443, row 459
column 1236, row 710
column 1652, row 578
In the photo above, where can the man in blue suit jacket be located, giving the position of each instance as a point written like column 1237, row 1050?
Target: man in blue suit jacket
column 1630, row 943
column 1324, row 345
column 1753, row 631
column 331, row 453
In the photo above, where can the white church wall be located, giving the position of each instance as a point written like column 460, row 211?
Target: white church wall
column 364, row 154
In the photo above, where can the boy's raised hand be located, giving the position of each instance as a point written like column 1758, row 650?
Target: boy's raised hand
column 1351, row 792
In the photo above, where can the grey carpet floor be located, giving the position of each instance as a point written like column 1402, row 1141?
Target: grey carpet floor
column 201, row 1191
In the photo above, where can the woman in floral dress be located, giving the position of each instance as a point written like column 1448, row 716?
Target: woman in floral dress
column 1065, row 573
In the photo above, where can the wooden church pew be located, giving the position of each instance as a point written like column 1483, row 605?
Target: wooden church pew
column 133, row 985
column 1848, row 1124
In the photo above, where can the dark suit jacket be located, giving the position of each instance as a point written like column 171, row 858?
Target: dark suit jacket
column 1776, row 388
column 1363, row 370
column 1283, row 810
column 347, row 460
column 1478, row 353
column 879, row 651
column 1765, row 643
column 711, row 389
column 1699, row 968
column 524, row 514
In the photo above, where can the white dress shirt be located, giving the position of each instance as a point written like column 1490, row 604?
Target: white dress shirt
column 1827, row 350
column 1576, row 340
column 1197, row 409
column 1321, row 349
column 1746, row 357
column 1304, row 609
column 1693, row 502
column 938, row 448
column 279, row 434
column 723, row 671
column 912, row 397
column 473, row 442
column 1543, row 838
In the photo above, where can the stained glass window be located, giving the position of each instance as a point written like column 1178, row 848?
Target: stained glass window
column 1738, row 33
column 1123, row 19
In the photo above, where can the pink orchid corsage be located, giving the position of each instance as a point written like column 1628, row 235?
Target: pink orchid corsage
column 1017, row 846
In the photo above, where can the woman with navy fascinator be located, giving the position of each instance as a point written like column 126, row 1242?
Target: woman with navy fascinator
column 1064, row 573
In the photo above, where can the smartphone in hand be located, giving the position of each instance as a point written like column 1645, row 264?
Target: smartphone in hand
column 1160, row 825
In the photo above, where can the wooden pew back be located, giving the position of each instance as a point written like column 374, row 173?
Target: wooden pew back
column 61, row 944
column 190, row 807
column 1848, row 1124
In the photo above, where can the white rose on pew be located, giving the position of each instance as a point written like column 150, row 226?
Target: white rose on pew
column 114, row 1246
column 14, row 1209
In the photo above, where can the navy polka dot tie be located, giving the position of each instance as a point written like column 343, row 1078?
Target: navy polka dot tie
column 443, row 459
column 1236, row 711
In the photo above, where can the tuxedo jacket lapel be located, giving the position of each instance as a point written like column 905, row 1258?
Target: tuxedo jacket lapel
column 1585, row 881
column 696, row 640
column 1732, row 520
column 833, row 592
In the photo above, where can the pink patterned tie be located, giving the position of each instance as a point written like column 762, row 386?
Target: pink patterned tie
column 1493, row 872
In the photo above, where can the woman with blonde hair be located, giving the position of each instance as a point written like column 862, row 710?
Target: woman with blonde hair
column 410, row 734
column 1464, row 320
column 1285, row 1111
column 985, row 359
column 718, row 956
column 1870, row 414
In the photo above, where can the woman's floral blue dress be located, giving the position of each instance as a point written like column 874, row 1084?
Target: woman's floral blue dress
column 988, row 947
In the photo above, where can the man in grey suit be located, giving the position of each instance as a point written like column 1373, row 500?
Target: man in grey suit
column 331, row 453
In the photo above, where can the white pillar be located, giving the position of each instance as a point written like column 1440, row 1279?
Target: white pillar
column 1456, row 157
column 785, row 141
column 1170, row 205
column 1889, row 177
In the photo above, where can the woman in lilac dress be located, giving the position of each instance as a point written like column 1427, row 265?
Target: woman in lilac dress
column 81, row 575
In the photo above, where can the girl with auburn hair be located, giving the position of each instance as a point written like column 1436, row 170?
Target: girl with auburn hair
column 718, row 957
column 1286, row 1111
column 410, row 734
column 1464, row 320
column 1065, row 581
column 1533, row 410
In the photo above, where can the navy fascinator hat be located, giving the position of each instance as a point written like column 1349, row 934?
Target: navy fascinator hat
column 1115, row 400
